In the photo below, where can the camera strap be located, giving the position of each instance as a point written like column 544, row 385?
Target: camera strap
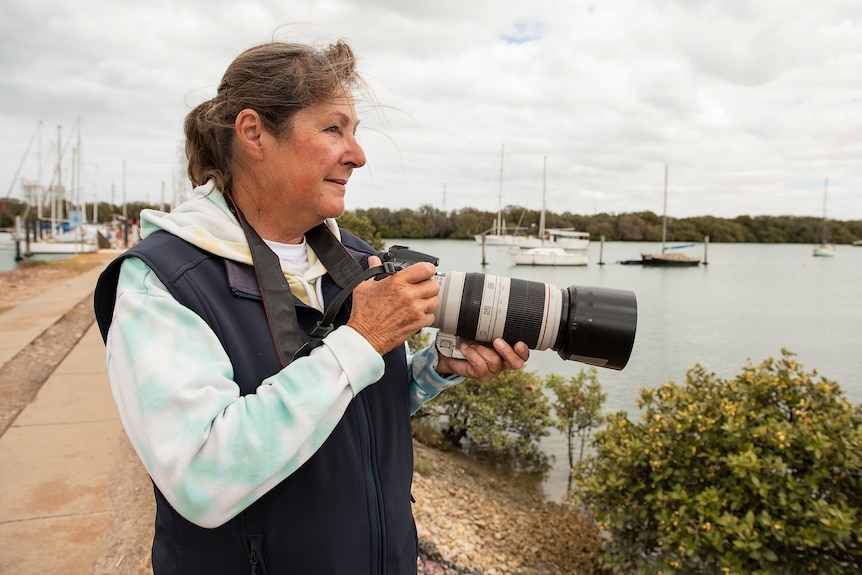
column 277, row 298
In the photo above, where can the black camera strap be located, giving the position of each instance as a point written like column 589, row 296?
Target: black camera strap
column 278, row 299
column 325, row 326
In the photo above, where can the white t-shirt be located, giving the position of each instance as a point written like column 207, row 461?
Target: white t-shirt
column 294, row 258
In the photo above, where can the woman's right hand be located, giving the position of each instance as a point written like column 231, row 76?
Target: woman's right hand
column 387, row 312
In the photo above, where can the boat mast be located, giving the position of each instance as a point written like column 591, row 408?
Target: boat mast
column 823, row 226
column 664, row 213
column 39, row 190
column 544, row 184
column 77, row 191
column 55, row 202
column 499, row 224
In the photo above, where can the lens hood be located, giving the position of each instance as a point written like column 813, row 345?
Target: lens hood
column 599, row 328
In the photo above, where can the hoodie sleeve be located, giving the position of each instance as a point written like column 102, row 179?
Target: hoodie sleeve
column 211, row 451
column 426, row 383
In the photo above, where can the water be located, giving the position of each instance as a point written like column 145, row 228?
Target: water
column 751, row 301
column 7, row 257
column 7, row 254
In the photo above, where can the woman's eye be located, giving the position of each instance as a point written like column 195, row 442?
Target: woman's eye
column 334, row 129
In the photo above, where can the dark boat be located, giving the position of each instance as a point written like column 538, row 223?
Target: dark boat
column 665, row 259
column 668, row 260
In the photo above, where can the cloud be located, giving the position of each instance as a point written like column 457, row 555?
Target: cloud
column 751, row 105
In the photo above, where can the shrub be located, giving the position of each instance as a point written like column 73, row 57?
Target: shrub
column 506, row 415
column 759, row 474
column 362, row 226
column 578, row 411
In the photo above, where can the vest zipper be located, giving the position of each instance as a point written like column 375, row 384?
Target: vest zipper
column 254, row 560
column 371, row 481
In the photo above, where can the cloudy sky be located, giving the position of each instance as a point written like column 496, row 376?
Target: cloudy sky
column 751, row 105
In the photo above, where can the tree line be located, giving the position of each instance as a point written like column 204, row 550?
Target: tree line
column 429, row 222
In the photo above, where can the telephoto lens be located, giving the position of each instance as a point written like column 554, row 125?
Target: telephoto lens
column 590, row 325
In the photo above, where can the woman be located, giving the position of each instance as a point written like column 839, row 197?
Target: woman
column 265, row 459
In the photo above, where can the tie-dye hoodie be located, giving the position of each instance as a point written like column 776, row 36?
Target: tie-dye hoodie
column 172, row 381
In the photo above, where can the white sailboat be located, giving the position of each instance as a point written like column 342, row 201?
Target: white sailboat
column 498, row 235
column 557, row 247
column 65, row 234
column 825, row 248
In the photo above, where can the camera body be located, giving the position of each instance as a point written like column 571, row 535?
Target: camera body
column 399, row 257
column 591, row 325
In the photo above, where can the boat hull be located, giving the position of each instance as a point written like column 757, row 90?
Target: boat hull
column 61, row 248
column 668, row 260
column 824, row 251
column 549, row 257
column 506, row 240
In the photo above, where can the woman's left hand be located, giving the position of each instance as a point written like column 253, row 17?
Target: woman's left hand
column 483, row 362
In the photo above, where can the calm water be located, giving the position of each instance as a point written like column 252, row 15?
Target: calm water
column 7, row 252
column 7, row 256
column 751, row 301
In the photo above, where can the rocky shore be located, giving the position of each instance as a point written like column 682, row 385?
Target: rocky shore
column 469, row 520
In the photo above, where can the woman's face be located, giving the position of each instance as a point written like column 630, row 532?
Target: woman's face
column 306, row 173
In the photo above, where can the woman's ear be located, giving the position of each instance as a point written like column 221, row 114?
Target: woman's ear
column 249, row 129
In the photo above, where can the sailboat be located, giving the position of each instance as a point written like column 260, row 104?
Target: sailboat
column 825, row 249
column 65, row 235
column 557, row 247
column 498, row 235
column 667, row 258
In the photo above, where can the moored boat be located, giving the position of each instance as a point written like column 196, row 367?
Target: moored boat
column 556, row 246
column 668, row 260
column 549, row 256
column 825, row 248
column 665, row 258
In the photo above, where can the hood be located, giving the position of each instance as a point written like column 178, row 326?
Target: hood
column 207, row 222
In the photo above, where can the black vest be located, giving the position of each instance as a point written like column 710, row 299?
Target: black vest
column 347, row 510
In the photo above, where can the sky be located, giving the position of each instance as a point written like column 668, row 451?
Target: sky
column 755, row 108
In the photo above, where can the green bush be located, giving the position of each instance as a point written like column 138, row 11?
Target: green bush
column 578, row 411
column 758, row 474
column 506, row 415
column 362, row 227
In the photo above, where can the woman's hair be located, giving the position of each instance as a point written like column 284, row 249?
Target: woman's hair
column 276, row 80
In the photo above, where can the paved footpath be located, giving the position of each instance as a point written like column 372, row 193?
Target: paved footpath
column 57, row 456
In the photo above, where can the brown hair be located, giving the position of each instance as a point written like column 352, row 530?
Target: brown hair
column 276, row 79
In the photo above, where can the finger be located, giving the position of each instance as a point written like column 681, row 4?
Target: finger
column 418, row 272
column 513, row 357
column 484, row 361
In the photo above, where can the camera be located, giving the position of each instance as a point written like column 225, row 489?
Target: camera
column 591, row 325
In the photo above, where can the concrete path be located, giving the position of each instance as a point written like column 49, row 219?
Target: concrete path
column 57, row 456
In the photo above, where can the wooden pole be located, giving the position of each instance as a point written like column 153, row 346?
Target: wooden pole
column 602, row 250
column 664, row 214
column 705, row 248
column 484, row 262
